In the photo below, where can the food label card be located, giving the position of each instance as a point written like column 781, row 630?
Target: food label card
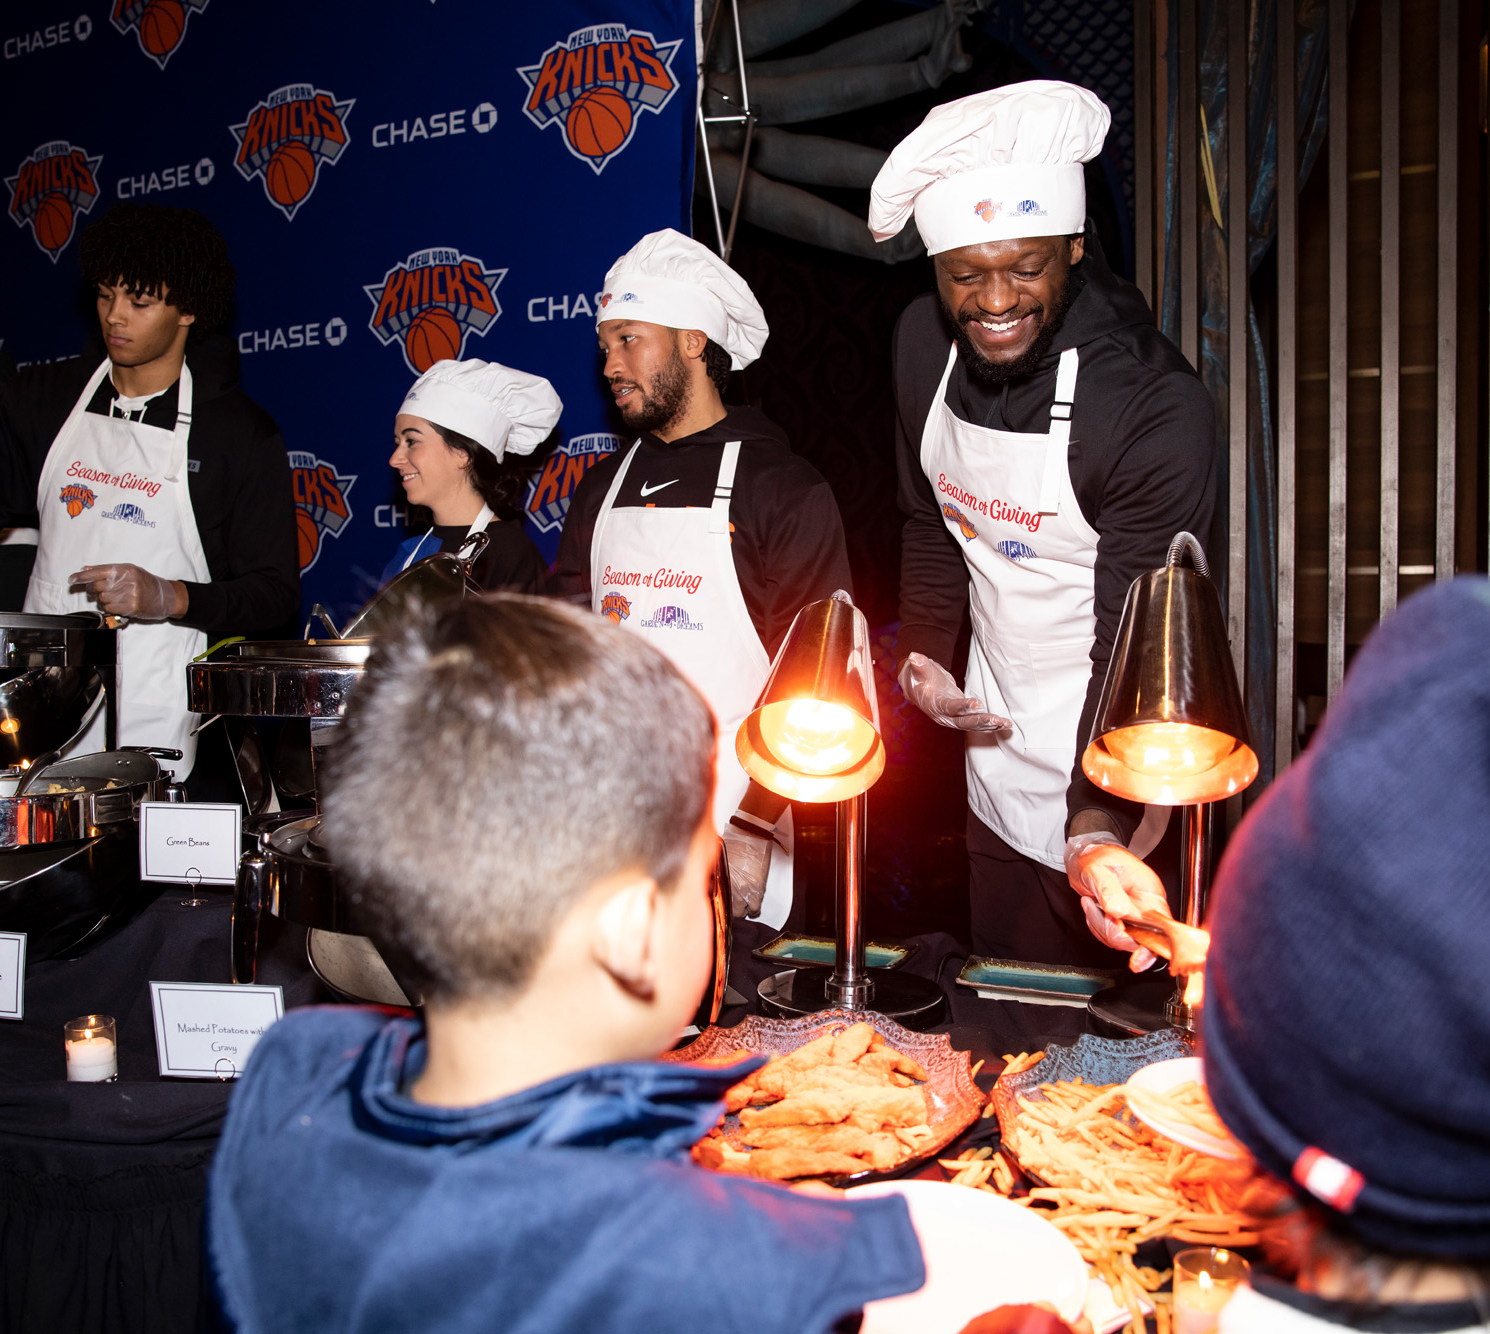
column 197, row 842
column 206, row 1030
column 12, row 974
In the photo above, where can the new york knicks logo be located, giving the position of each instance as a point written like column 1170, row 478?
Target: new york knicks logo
column 964, row 524
column 550, row 491
column 596, row 83
column 50, row 189
column 287, row 138
column 75, row 499
column 159, row 24
column 615, row 608
column 321, row 505
column 431, row 301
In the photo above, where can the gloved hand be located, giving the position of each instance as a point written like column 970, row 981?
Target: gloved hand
column 930, row 687
column 1113, row 884
column 127, row 590
column 749, row 857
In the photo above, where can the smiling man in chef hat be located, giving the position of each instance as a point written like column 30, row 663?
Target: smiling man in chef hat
column 707, row 535
column 454, row 442
column 1050, row 443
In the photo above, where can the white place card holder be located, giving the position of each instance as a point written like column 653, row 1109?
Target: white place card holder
column 12, row 974
column 196, row 842
column 206, row 1030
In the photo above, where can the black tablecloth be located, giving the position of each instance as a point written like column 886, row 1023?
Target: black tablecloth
column 101, row 1185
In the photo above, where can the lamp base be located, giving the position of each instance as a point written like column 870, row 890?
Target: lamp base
column 1135, row 1008
column 907, row 999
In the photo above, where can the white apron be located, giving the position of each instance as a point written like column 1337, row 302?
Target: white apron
column 115, row 492
column 430, row 541
column 1006, row 498
column 669, row 575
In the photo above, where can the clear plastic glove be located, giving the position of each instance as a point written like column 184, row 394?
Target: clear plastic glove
column 1113, row 884
column 749, row 857
column 127, row 590
column 930, row 687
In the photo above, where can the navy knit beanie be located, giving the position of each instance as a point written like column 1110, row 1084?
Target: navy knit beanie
column 1347, row 1016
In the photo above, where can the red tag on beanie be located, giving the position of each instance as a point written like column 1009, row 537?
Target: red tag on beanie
column 1328, row 1179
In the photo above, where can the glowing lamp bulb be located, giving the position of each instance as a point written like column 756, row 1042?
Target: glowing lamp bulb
column 9, row 726
column 815, row 736
column 1171, row 750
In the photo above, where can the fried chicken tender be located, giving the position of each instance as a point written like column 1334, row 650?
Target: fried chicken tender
column 887, row 1107
column 812, row 1107
column 779, row 1164
column 880, row 1150
column 887, row 1059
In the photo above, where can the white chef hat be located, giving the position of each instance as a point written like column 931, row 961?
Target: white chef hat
column 668, row 279
column 503, row 410
column 993, row 166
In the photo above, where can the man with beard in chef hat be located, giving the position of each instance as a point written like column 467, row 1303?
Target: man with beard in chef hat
column 163, row 489
column 707, row 535
column 1050, row 443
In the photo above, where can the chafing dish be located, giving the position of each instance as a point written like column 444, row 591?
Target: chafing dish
column 55, row 674
column 70, row 860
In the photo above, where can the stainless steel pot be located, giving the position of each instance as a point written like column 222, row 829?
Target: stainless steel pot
column 287, row 678
column 433, row 579
column 70, row 861
column 53, row 676
column 82, row 797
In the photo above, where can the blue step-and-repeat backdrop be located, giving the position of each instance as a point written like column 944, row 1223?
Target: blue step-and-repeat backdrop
column 398, row 181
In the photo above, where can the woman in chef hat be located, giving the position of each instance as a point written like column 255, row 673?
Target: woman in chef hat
column 454, row 437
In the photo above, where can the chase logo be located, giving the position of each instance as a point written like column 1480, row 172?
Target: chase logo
column 50, row 189
column 431, row 302
column 286, row 139
column 596, row 83
column 1016, row 550
column 615, row 608
column 670, row 618
column 127, row 513
column 77, row 498
column 550, row 492
column 159, row 24
column 320, row 502
column 964, row 524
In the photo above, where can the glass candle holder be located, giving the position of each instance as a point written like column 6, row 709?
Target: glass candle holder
column 92, row 1052
column 1205, row 1279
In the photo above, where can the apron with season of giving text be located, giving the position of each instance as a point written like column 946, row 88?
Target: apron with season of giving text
column 669, row 575
column 1006, row 498
column 114, row 491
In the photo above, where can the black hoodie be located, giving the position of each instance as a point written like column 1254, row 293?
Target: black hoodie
column 1141, row 458
column 239, row 479
column 786, row 533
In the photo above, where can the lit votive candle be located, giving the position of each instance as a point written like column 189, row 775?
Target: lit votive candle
column 92, row 1055
column 1205, row 1278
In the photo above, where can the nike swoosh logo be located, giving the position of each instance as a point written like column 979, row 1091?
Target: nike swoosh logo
column 650, row 490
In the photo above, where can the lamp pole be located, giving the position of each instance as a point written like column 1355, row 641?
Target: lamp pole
column 850, row 986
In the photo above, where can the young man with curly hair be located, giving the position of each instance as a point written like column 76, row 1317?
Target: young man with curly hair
column 707, row 535
column 163, row 490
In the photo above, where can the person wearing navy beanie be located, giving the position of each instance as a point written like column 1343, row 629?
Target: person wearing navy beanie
column 1347, row 1021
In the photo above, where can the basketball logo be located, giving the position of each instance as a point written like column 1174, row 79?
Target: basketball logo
column 75, row 499
column 615, row 608
column 596, row 83
column 321, row 505
column 964, row 524
column 285, row 140
column 987, row 209
column 159, row 25
column 431, row 301
column 50, row 190
column 434, row 335
column 550, row 492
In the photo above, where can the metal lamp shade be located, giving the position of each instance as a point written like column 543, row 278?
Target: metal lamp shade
column 1171, row 729
column 814, row 734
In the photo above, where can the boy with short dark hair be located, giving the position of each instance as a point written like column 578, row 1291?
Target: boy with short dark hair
column 521, row 797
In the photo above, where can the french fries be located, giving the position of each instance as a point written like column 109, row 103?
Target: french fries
column 1112, row 1184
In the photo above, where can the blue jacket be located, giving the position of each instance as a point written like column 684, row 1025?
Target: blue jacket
column 337, row 1203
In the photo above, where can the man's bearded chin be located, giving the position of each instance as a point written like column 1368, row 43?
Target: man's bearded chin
column 662, row 402
column 1001, row 372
